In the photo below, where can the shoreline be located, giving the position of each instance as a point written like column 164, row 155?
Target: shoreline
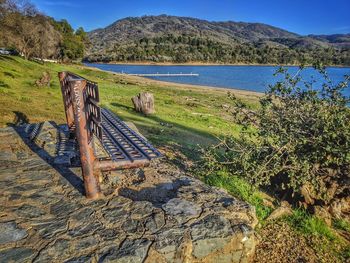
column 149, row 63
column 149, row 81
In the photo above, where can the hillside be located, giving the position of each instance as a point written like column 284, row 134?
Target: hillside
column 131, row 28
column 182, row 39
column 337, row 40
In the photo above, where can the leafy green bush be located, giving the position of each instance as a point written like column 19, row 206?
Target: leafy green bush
column 297, row 143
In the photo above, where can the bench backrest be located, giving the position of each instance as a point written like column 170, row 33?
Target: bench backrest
column 71, row 85
column 81, row 97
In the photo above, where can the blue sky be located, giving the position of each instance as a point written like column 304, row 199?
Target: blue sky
column 300, row 16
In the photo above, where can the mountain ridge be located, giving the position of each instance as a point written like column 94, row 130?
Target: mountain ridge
column 145, row 38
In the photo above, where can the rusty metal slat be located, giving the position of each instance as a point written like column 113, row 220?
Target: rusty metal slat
column 115, row 151
column 123, row 128
column 128, row 148
column 87, row 156
column 123, row 140
column 91, row 98
column 148, row 150
column 140, row 143
column 67, row 99
column 108, row 165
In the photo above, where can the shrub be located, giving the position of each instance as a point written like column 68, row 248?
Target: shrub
column 297, row 143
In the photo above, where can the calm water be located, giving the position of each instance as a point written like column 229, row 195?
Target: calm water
column 254, row 78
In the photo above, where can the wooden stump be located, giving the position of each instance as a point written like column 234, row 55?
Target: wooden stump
column 144, row 102
column 44, row 80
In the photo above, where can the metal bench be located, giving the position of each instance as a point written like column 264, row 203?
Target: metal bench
column 87, row 121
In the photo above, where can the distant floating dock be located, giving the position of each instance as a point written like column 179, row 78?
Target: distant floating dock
column 166, row 75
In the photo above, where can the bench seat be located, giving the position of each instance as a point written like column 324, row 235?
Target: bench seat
column 124, row 146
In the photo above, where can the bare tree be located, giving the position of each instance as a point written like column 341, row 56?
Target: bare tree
column 25, row 29
column 47, row 38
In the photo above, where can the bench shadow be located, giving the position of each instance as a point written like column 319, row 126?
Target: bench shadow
column 20, row 125
column 20, row 119
column 158, row 195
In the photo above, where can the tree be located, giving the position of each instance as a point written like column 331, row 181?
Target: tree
column 18, row 29
column 35, row 35
column 49, row 38
column 73, row 43
column 83, row 36
column 25, row 29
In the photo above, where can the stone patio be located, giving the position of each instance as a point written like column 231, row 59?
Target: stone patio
column 155, row 214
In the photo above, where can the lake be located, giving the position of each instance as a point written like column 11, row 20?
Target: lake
column 253, row 78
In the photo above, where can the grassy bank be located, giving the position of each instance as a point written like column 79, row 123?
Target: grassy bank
column 187, row 118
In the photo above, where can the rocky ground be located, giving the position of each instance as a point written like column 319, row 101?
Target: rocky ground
column 157, row 214
column 280, row 244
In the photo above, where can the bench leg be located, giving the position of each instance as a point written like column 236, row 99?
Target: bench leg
column 87, row 157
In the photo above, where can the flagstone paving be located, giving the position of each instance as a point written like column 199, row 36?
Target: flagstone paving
column 155, row 214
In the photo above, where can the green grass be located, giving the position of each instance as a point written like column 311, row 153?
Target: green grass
column 242, row 189
column 328, row 241
column 185, row 117
column 341, row 224
column 309, row 224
